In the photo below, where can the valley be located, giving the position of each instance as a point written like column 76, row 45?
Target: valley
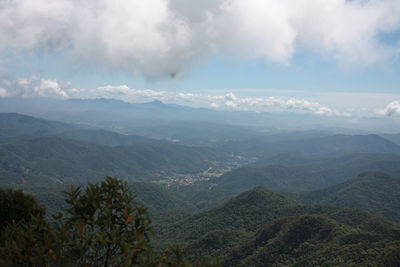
column 242, row 198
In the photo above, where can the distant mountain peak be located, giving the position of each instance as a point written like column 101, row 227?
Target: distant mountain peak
column 261, row 196
column 156, row 102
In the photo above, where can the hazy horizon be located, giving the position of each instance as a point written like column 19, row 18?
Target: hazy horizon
column 333, row 58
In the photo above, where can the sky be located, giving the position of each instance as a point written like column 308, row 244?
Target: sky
column 324, row 57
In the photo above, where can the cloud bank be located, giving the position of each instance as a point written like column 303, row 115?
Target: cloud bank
column 161, row 38
column 35, row 87
column 222, row 102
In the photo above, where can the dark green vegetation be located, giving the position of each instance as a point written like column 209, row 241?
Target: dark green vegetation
column 262, row 228
column 203, row 196
column 57, row 158
column 190, row 203
column 288, row 173
column 373, row 191
column 103, row 226
column 36, row 156
column 314, row 240
column 164, row 205
column 243, row 211
column 16, row 206
column 159, row 201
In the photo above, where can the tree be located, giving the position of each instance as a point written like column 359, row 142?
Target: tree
column 103, row 226
column 17, row 206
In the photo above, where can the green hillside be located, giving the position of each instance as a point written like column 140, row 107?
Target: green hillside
column 373, row 191
column 219, row 229
column 204, row 196
column 245, row 211
column 289, row 173
column 230, row 230
column 313, row 240
column 160, row 200
column 57, row 159
column 157, row 199
column 13, row 125
column 334, row 145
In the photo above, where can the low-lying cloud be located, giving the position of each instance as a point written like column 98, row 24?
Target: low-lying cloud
column 36, row 87
column 32, row 87
column 228, row 101
column 391, row 110
column 161, row 38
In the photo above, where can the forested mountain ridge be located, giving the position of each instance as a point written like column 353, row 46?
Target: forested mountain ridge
column 332, row 145
column 314, row 240
column 160, row 200
column 188, row 132
column 251, row 228
column 373, row 191
column 260, row 223
column 13, row 125
column 292, row 173
column 161, row 203
column 227, row 223
column 242, row 211
column 69, row 160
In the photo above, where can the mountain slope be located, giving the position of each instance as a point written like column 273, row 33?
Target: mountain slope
column 68, row 160
column 160, row 200
column 157, row 199
column 373, row 191
column 14, row 125
column 335, row 145
column 314, row 240
column 246, row 211
column 218, row 231
column 344, row 144
column 222, row 227
column 395, row 138
column 289, row 173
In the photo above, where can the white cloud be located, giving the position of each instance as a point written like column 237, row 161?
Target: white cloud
column 391, row 110
column 34, row 87
column 227, row 101
column 162, row 37
column 346, row 30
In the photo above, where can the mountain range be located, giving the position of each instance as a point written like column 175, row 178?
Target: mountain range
column 261, row 227
column 373, row 191
column 293, row 173
column 303, row 198
column 35, row 151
